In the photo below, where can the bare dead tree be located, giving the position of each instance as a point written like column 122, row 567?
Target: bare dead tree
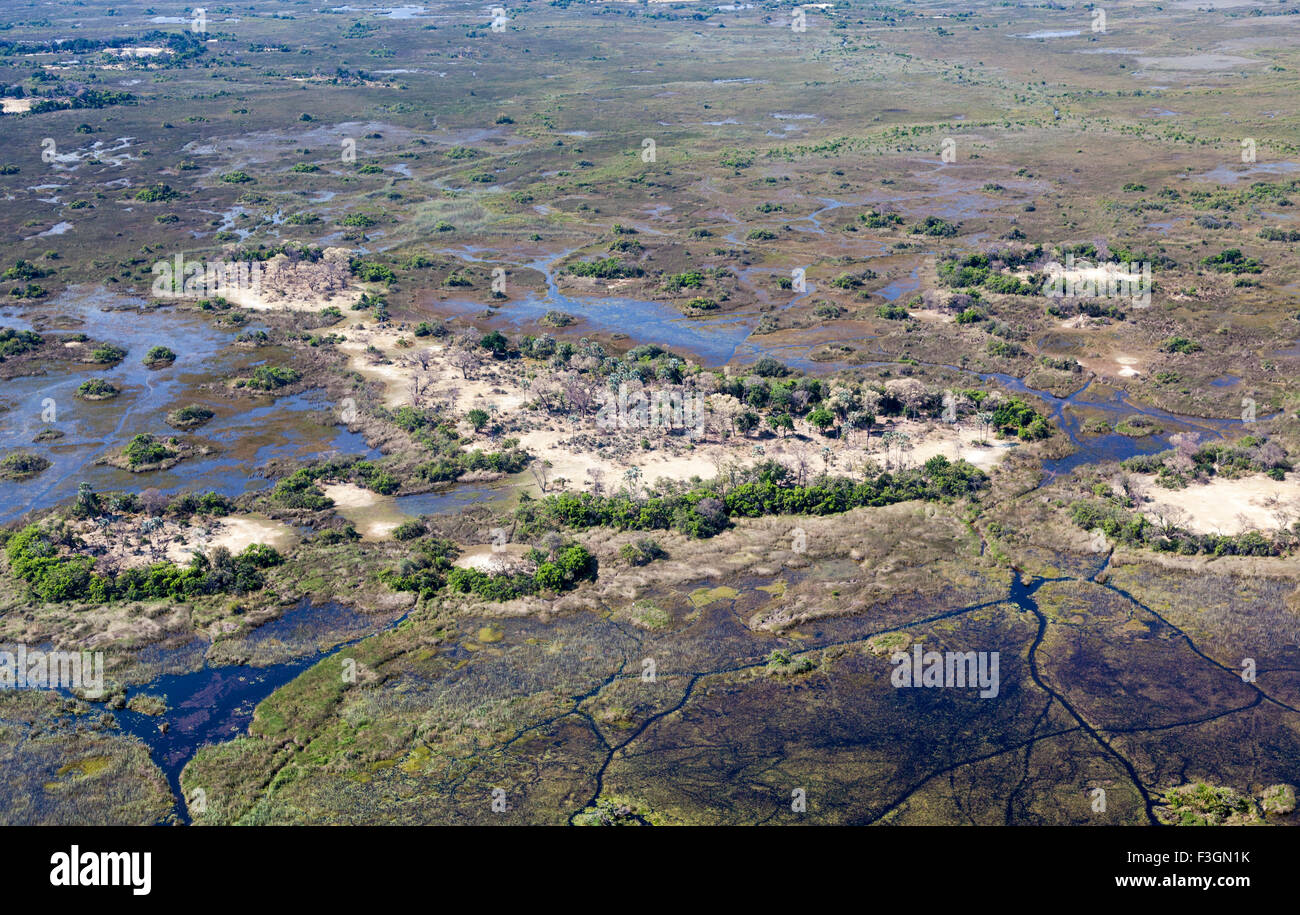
column 541, row 472
column 154, row 501
column 467, row 360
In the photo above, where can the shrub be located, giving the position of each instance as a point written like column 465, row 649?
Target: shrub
column 96, row 389
column 299, row 491
column 22, row 466
column 605, row 268
column 107, row 354
column 271, row 377
column 642, row 552
column 16, row 342
column 1231, row 260
column 933, row 225
column 145, row 449
column 159, row 356
column 188, row 417
column 409, row 530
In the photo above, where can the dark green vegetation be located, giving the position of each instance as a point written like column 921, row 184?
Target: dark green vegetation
column 47, row 562
column 766, row 489
column 16, row 342
column 188, row 417
column 97, row 389
column 159, row 357
column 146, row 449
column 22, row 466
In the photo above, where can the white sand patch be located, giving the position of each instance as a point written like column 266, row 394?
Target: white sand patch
column 933, row 314
column 708, row 459
column 1198, row 62
column 508, row 557
column 349, row 495
column 493, row 386
column 395, row 374
column 1127, row 366
column 1227, row 506
column 235, row 533
column 16, row 105
column 129, row 545
column 299, row 285
column 575, row 451
column 141, row 51
column 959, row 441
column 1098, row 277
column 580, row 470
column 374, row 516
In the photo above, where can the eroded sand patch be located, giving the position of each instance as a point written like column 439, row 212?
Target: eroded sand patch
column 1227, row 506
column 373, row 515
column 129, row 545
column 508, row 557
column 236, row 533
column 579, row 451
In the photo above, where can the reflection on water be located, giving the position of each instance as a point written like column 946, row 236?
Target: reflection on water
column 214, row 704
column 449, row 501
column 245, row 432
column 715, row 339
column 1111, row 446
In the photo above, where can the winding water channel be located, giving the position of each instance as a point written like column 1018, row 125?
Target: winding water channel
column 208, row 704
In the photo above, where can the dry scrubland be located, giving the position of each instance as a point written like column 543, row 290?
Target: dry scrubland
column 499, row 186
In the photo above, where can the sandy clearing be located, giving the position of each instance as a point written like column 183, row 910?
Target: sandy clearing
column 394, row 376
column 957, row 443
column 567, row 447
column 488, row 558
column 349, row 496
column 374, row 516
column 263, row 299
column 492, row 386
column 298, row 285
column 933, row 314
column 577, row 467
column 16, row 105
column 140, row 51
column 125, row 545
column 235, row 533
column 1198, row 62
column 1227, row 506
column 1127, row 366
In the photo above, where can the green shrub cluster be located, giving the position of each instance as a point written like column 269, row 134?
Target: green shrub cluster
column 707, row 509
column 37, row 558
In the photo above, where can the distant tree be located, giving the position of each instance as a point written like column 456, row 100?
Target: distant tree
column 822, row 418
column 496, row 343
column 781, row 422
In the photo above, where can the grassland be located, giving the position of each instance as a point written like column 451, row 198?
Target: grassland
column 467, row 239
